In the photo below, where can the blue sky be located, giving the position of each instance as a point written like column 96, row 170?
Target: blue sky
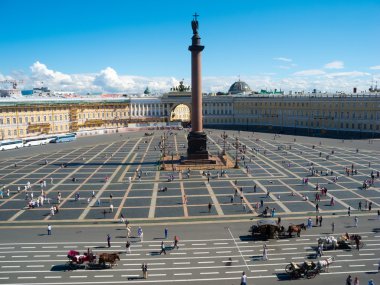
column 121, row 45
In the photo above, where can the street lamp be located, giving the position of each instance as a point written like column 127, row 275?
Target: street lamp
column 224, row 136
column 236, row 154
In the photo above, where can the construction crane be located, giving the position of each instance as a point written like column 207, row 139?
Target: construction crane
column 13, row 82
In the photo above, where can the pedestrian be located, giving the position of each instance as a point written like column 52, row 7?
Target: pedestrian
column 51, row 180
column 162, row 248
column 243, row 280
column 356, row 221
column 140, row 233
column 378, row 214
column 108, row 240
column 144, row 268
column 349, row 280
column 349, row 211
column 176, row 239
column 265, row 252
column 320, row 221
column 360, row 206
column 111, row 208
column 332, row 227
column 49, row 229
column 128, row 247
column 357, row 242
column 356, row 281
column 278, row 220
column 166, row 231
column 370, row 282
column 319, row 251
column 209, row 207
column 369, row 206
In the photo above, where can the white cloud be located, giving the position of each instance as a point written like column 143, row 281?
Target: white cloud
column 309, row 72
column 109, row 81
column 347, row 74
column 337, row 64
column 41, row 72
column 376, row 67
column 283, row 59
column 283, row 67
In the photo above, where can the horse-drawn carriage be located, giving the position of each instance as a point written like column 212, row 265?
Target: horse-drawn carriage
column 89, row 260
column 305, row 269
column 266, row 229
column 308, row 269
column 269, row 229
column 349, row 241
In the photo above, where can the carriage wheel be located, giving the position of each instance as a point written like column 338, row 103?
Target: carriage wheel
column 361, row 244
column 275, row 235
column 289, row 268
column 311, row 274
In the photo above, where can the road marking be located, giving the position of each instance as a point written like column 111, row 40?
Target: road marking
column 289, row 248
column 4, row 278
column 66, row 246
column 28, row 247
column 202, row 252
column 258, row 270
column 335, row 266
column 103, row 276
column 232, row 272
column 178, row 253
column 199, row 244
column 10, row 266
column 339, row 255
column 27, row 277
column 204, row 262
column 9, row 247
column 366, row 254
column 79, row 276
column 157, row 274
column 226, row 251
column 181, row 262
column 179, row 274
column 52, row 246
column 220, row 243
column 19, row 256
column 43, row 255
column 35, row 265
column 357, row 265
column 53, row 277
column 206, row 273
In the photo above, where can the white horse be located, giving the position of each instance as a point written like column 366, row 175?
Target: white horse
column 328, row 241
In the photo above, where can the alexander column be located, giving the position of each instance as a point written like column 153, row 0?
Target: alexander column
column 197, row 139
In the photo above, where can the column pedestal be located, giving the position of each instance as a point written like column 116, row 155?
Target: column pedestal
column 197, row 145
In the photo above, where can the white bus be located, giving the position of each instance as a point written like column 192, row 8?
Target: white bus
column 11, row 144
column 37, row 141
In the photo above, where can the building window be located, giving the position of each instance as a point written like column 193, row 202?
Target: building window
column 44, row 118
column 1, row 121
column 38, row 119
column 15, row 132
column 9, row 133
column 8, row 121
column 32, row 119
column 20, row 120
column 14, row 121
column 21, row 132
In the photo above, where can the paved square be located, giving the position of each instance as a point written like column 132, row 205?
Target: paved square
column 124, row 174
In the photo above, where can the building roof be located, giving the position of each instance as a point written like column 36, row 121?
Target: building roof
column 239, row 87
